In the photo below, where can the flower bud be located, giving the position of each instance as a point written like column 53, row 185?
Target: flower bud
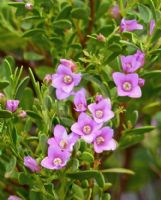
column 115, row 12
column 12, row 105
column 22, row 114
column 98, row 98
column 69, row 63
column 48, row 79
column 101, row 38
column 141, row 82
column 31, row 164
column 28, row 6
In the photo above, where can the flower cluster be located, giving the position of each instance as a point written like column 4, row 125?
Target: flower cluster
column 88, row 127
column 60, row 148
column 129, row 83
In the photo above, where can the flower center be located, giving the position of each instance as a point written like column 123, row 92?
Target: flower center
column 99, row 113
column 67, row 79
column 127, row 86
column 128, row 65
column 79, row 106
column 100, row 140
column 63, row 144
column 57, row 161
column 87, row 129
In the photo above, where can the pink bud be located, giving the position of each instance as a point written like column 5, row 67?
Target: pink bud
column 141, row 82
column 101, row 38
column 48, row 79
column 22, row 114
column 98, row 98
column 28, row 6
column 12, row 105
column 31, row 163
column 115, row 12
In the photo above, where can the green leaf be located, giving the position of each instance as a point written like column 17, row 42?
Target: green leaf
column 117, row 170
column 33, row 32
column 43, row 143
column 153, row 9
column 3, row 84
column 79, row 13
column 32, row 56
column 14, row 137
column 42, row 71
column 10, row 167
column 152, row 108
column 152, row 74
column 20, row 88
column 8, row 69
column 77, row 192
column 65, row 12
column 140, row 130
column 5, row 114
column 102, row 9
column 88, row 174
column 145, row 13
column 16, row 4
column 62, row 24
column 86, row 156
column 33, row 115
column 24, row 179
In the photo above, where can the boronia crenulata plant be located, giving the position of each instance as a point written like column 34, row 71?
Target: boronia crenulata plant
column 85, row 92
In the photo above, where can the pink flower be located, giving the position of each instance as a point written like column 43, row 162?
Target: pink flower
column 56, row 158
column 68, row 63
column 12, row 105
column 103, row 140
column 64, row 81
column 101, row 111
column 62, row 140
column 127, row 84
column 152, row 26
column 130, row 25
column 86, row 127
column 31, row 163
column 132, row 62
column 13, row 197
column 80, row 100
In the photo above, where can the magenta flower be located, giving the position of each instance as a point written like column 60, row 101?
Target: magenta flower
column 152, row 26
column 62, row 140
column 80, row 100
column 31, row 163
column 103, row 140
column 130, row 25
column 132, row 62
column 68, row 63
column 127, row 84
column 12, row 105
column 13, row 197
column 86, row 127
column 56, row 158
column 64, row 81
column 101, row 111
